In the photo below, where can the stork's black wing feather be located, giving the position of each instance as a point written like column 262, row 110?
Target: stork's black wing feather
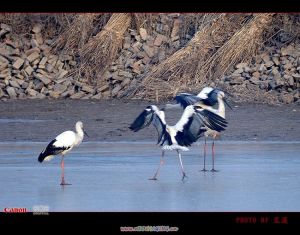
column 212, row 98
column 51, row 149
column 160, row 128
column 166, row 138
column 212, row 120
column 147, row 117
column 197, row 124
column 191, row 131
column 143, row 120
column 186, row 99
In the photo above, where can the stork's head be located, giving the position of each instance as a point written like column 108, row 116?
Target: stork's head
column 79, row 126
column 222, row 96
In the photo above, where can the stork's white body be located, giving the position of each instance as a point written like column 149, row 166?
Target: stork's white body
column 68, row 139
column 172, row 130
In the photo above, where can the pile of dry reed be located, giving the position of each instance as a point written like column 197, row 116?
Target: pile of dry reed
column 178, row 72
column 76, row 35
column 241, row 47
column 98, row 53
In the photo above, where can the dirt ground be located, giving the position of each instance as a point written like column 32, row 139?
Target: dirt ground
column 108, row 120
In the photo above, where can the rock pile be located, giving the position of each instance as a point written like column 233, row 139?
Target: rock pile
column 143, row 49
column 276, row 69
column 29, row 69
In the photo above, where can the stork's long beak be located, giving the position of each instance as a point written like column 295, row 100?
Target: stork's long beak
column 226, row 102
column 85, row 133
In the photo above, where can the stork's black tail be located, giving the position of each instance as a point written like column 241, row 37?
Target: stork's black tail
column 42, row 155
column 51, row 149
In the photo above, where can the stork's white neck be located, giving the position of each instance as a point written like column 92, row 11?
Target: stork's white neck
column 159, row 113
column 79, row 134
column 79, row 131
column 221, row 108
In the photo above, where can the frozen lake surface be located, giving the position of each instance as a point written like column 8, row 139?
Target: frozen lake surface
column 113, row 177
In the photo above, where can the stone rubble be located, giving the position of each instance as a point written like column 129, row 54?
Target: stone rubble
column 29, row 69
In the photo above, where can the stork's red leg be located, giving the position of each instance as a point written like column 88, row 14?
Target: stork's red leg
column 63, row 172
column 62, row 164
column 213, row 157
column 181, row 165
column 204, row 155
column 160, row 164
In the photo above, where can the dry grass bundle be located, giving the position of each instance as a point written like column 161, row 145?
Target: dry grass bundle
column 76, row 34
column 102, row 49
column 100, row 21
column 241, row 47
column 179, row 69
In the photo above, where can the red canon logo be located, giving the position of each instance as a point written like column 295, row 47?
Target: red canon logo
column 15, row 210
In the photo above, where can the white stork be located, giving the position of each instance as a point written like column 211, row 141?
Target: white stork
column 206, row 99
column 62, row 144
column 191, row 126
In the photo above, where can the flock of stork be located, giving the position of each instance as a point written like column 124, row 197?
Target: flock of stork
column 199, row 119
